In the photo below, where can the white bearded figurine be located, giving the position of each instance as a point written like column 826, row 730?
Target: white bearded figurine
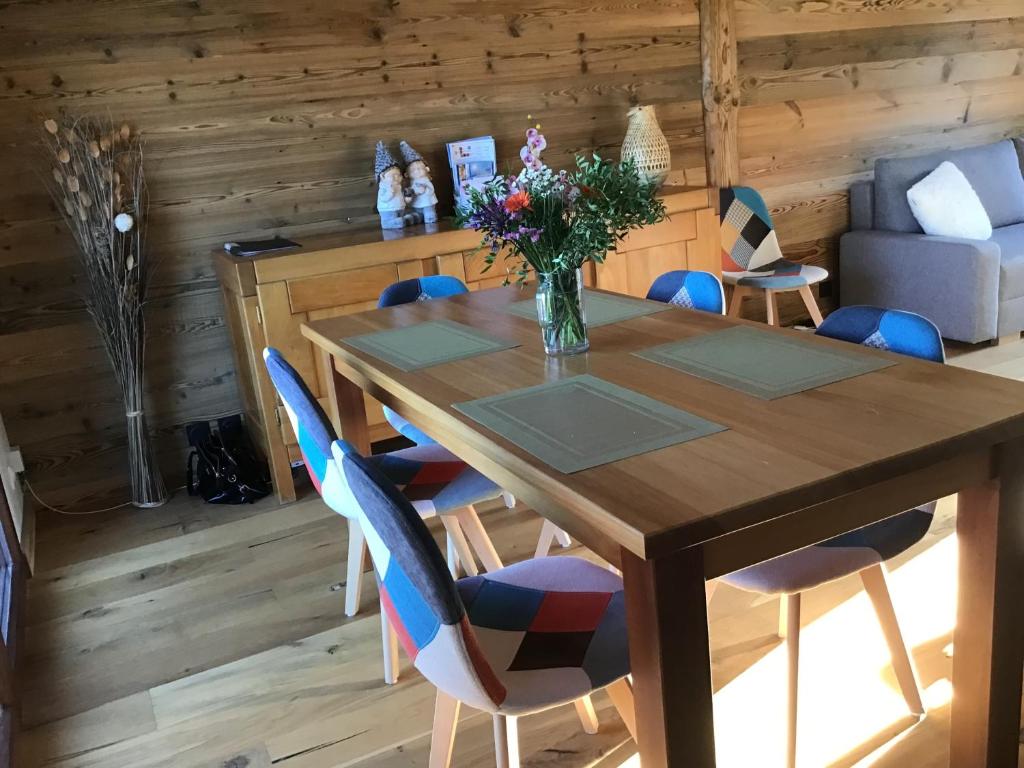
column 391, row 200
column 417, row 174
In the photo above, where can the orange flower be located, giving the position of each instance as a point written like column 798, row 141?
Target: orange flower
column 518, row 201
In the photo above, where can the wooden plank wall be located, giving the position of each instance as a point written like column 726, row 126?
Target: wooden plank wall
column 827, row 87
column 260, row 116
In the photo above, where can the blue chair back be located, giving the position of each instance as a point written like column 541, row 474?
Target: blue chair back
column 421, row 289
column 416, row 589
column 690, row 289
column 311, row 425
column 891, row 329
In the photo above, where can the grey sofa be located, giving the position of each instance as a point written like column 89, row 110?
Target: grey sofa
column 972, row 290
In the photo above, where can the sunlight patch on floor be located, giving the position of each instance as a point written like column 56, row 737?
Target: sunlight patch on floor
column 851, row 710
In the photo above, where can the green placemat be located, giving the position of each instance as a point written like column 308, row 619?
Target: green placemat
column 584, row 421
column 600, row 308
column 429, row 343
column 761, row 363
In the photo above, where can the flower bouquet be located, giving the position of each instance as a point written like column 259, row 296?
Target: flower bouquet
column 552, row 222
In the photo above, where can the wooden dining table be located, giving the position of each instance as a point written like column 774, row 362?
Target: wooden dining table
column 785, row 474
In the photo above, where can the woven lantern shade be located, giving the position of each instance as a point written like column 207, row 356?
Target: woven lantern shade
column 646, row 145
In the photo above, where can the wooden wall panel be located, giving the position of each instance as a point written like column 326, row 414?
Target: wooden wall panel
column 828, row 87
column 260, row 116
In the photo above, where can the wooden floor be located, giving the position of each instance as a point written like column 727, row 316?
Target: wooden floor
column 197, row 636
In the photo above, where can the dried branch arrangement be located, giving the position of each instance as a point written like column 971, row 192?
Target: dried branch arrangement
column 98, row 186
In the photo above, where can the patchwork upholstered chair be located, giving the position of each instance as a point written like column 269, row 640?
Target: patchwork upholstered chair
column 689, row 289
column 440, row 287
column 752, row 259
column 863, row 551
column 513, row 642
column 432, row 481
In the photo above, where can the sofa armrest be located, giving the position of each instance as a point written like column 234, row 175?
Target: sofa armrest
column 953, row 282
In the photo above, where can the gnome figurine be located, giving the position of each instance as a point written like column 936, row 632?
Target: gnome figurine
column 417, row 175
column 391, row 200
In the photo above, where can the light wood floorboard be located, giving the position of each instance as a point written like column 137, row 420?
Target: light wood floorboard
column 196, row 636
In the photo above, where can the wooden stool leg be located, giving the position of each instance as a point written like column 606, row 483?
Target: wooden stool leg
column 506, row 741
column 772, row 303
column 389, row 640
column 587, row 715
column 442, row 737
column 621, row 694
column 736, row 300
column 356, row 558
column 877, row 587
column 458, row 544
column 482, row 543
column 812, row 306
column 547, row 536
column 793, row 648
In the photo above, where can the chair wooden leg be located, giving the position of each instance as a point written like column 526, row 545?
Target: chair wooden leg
column 389, row 640
column 621, row 694
column 547, row 536
column 563, row 538
column 459, row 546
column 442, row 737
column 481, row 542
column 793, row 652
column 736, row 301
column 509, row 499
column 356, row 559
column 772, row 303
column 783, row 616
column 877, row 587
column 587, row 715
column 506, row 741
column 452, row 556
column 812, row 306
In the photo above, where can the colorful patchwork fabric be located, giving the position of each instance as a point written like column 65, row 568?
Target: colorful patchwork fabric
column 833, row 559
column 779, row 276
column 749, row 241
column 750, row 247
column 405, row 292
column 434, row 480
column 421, row 289
column 890, row 329
column 519, row 639
column 690, row 289
column 553, row 629
column 894, row 330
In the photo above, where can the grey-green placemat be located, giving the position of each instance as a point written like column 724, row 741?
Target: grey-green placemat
column 583, row 422
column 764, row 364
column 600, row 308
column 429, row 343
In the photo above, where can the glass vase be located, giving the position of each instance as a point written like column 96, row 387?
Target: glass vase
column 563, row 322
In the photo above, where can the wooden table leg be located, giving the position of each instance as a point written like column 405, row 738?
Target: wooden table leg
column 347, row 410
column 988, row 642
column 669, row 651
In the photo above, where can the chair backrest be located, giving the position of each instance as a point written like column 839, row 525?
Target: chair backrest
column 417, row 592
column 691, row 289
column 311, row 425
column 421, row 289
column 891, row 329
column 749, row 241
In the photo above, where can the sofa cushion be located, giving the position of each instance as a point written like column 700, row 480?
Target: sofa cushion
column 1011, row 260
column 944, row 203
column 993, row 171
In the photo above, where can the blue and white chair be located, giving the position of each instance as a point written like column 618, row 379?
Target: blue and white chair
column 513, row 642
column 690, row 289
column 441, row 287
column 863, row 551
column 432, row 481
column 752, row 259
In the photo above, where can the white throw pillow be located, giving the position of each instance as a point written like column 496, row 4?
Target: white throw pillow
column 944, row 203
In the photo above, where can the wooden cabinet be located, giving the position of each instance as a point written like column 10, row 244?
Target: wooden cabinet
column 267, row 298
